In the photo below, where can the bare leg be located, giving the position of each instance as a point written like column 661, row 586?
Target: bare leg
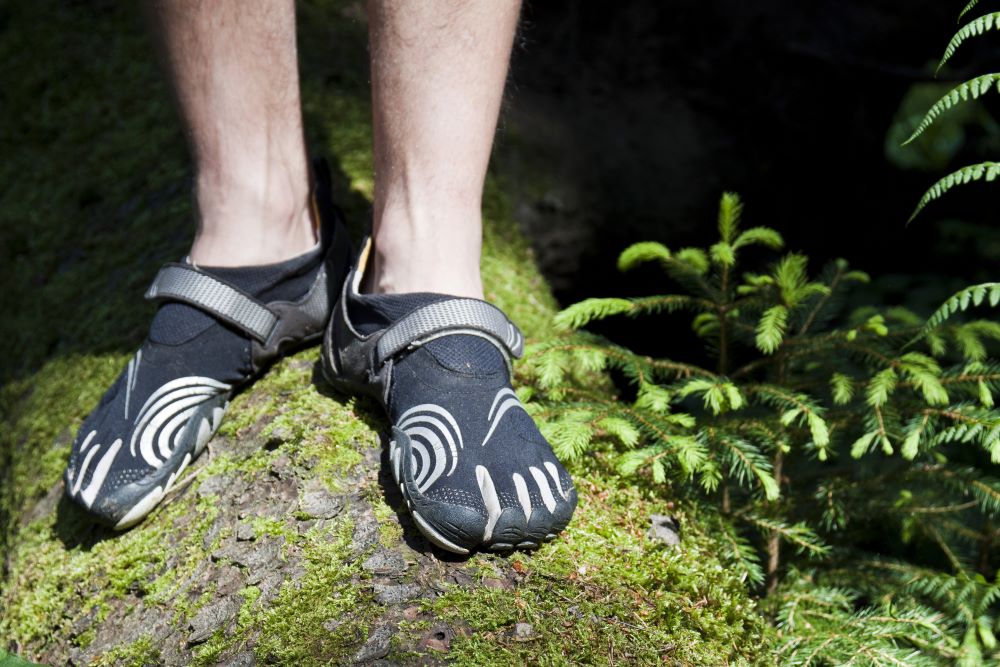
column 235, row 73
column 438, row 72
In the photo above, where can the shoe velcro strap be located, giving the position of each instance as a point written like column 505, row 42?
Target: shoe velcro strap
column 180, row 282
column 470, row 316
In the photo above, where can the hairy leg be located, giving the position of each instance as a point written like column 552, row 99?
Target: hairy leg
column 438, row 72
column 234, row 69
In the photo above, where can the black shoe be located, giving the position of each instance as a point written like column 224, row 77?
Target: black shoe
column 217, row 330
column 474, row 469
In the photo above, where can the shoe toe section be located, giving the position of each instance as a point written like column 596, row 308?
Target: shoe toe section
column 451, row 527
column 449, row 517
column 120, row 469
column 510, row 527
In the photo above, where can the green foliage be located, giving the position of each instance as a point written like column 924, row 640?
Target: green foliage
column 968, row 8
column 969, row 30
column 974, row 295
column 970, row 90
column 8, row 660
column 965, row 92
column 987, row 171
column 820, row 625
column 820, row 432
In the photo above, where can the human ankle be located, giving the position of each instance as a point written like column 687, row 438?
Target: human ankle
column 418, row 249
column 252, row 223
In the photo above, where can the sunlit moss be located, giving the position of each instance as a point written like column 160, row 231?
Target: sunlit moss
column 604, row 593
column 139, row 653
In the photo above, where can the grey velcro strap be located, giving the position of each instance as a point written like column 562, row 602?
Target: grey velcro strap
column 178, row 282
column 469, row 315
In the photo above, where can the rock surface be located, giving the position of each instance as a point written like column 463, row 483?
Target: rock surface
column 664, row 529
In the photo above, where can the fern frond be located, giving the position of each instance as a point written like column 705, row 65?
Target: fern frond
column 968, row 8
column 969, row 30
column 975, row 172
column 960, row 301
column 972, row 89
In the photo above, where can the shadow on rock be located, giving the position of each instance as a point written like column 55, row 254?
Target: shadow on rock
column 75, row 528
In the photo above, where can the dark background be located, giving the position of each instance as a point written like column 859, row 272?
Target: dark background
column 626, row 123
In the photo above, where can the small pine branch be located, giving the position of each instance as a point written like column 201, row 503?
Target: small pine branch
column 747, row 464
column 723, row 254
column 842, row 388
column 742, row 555
column 570, row 435
column 972, row 29
column 799, row 535
column 792, row 281
column 925, row 374
column 639, row 253
column 580, row 314
column 687, row 266
column 730, row 212
column 764, row 236
column 881, row 387
column 718, row 396
column 771, row 329
column 970, row 90
column 795, row 408
column 976, row 172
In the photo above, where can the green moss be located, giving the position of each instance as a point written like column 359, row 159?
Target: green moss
column 268, row 526
column 84, row 639
column 316, row 432
column 82, row 575
column 390, row 532
column 603, row 593
column 140, row 653
column 317, row 619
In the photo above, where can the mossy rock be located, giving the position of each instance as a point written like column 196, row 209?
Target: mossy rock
column 284, row 543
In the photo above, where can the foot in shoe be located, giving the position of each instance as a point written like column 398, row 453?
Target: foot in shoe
column 471, row 463
column 218, row 329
